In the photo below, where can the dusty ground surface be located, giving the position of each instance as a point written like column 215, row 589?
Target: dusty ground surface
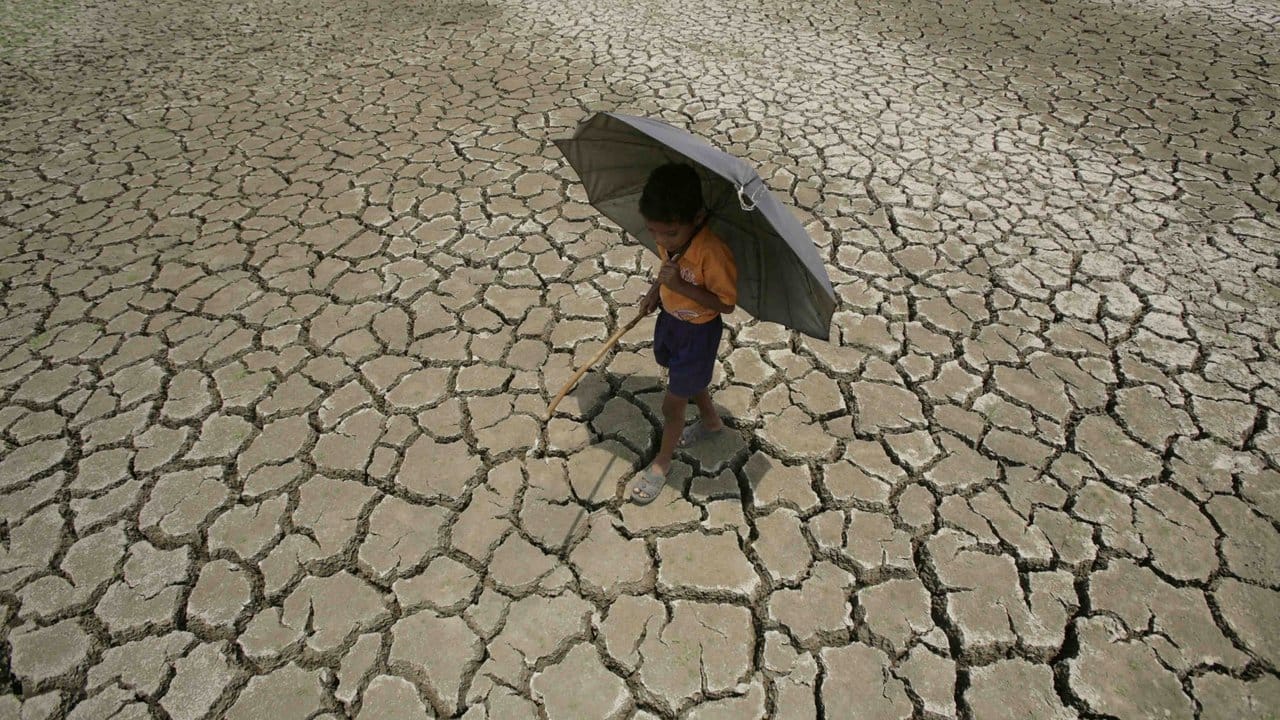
column 286, row 286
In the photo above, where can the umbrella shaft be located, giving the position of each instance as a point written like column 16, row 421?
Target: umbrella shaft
column 551, row 409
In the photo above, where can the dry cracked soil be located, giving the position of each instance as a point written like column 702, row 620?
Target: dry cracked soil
column 285, row 287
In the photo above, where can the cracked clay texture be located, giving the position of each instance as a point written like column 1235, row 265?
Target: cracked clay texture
column 285, row 288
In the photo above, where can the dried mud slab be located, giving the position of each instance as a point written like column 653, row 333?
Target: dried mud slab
column 285, row 288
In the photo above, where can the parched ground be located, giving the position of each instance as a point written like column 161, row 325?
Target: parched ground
column 285, row 287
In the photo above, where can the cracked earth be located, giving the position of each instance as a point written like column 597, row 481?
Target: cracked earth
column 286, row 287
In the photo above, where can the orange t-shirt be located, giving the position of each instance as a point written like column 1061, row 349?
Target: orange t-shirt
column 707, row 263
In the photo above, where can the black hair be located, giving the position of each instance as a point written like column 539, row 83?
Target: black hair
column 672, row 194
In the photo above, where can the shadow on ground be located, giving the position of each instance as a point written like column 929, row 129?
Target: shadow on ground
column 624, row 422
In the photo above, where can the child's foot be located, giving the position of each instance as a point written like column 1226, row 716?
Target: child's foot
column 697, row 432
column 650, row 484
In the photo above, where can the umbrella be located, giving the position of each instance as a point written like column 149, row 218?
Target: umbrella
column 781, row 277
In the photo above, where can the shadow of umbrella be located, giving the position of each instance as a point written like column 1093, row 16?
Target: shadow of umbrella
column 621, row 414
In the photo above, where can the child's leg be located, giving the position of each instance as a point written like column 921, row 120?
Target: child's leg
column 673, row 407
column 710, row 418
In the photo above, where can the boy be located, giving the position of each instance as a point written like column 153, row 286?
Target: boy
column 692, row 292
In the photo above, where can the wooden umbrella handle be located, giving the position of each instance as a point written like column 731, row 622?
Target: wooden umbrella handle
column 551, row 409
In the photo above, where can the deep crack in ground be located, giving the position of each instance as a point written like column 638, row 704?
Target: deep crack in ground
column 285, row 288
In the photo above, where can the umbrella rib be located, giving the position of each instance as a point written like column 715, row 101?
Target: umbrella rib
column 654, row 145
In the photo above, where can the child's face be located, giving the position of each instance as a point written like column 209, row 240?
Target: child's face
column 671, row 236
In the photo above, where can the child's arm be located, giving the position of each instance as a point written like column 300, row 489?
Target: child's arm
column 650, row 301
column 669, row 275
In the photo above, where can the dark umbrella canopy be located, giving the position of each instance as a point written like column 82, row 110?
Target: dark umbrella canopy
column 781, row 278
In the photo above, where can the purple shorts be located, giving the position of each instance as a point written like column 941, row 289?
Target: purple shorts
column 688, row 351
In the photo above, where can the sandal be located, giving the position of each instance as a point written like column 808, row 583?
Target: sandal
column 696, row 433
column 648, row 487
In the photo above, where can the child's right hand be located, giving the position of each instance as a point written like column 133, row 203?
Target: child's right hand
column 649, row 302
